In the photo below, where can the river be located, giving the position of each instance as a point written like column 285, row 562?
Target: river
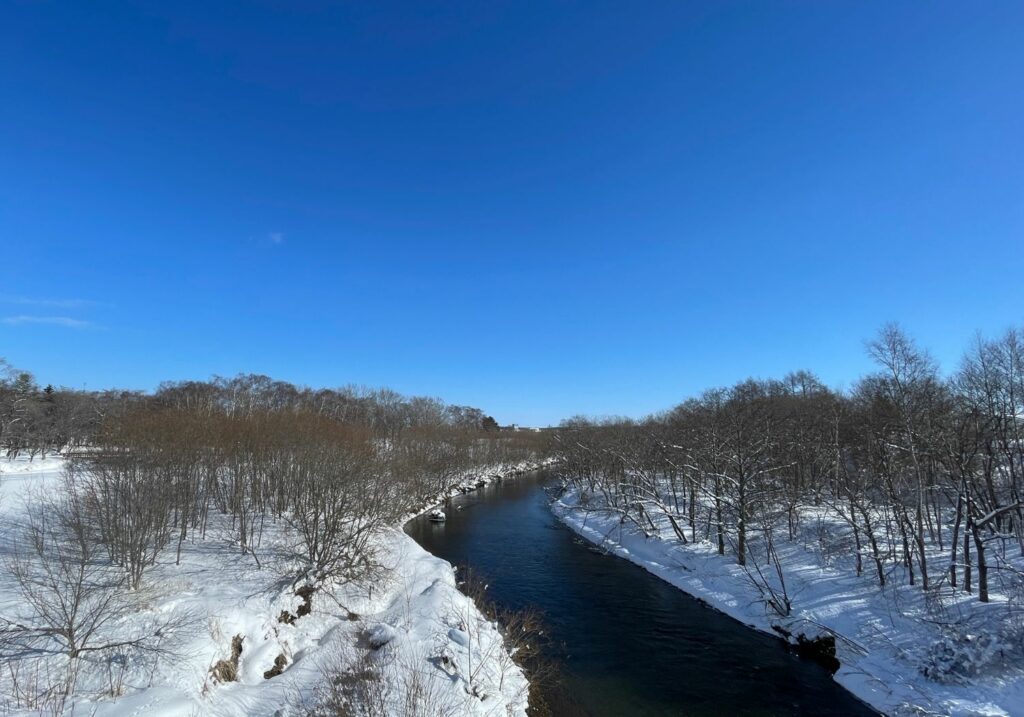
column 628, row 644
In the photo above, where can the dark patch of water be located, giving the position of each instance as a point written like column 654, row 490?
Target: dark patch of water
column 628, row 643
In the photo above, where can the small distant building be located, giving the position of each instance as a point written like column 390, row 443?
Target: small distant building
column 515, row 428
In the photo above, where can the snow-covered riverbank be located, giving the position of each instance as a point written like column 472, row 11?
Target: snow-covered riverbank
column 474, row 480
column 410, row 624
column 883, row 638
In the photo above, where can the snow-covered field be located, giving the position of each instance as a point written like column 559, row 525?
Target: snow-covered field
column 412, row 626
column 884, row 638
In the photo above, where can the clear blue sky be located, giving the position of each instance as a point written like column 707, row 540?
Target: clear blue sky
column 538, row 209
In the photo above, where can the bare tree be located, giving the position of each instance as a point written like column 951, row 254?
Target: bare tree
column 339, row 499
column 128, row 496
column 73, row 593
column 74, row 601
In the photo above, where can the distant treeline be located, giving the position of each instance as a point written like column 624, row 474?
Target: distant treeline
column 35, row 420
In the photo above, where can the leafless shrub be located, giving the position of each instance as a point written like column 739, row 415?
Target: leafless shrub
column 338, row 499
column 771, row 586
column 525, row 644
column 125, row 494
column 70, row 591
column 376, row 684
column 74, row 602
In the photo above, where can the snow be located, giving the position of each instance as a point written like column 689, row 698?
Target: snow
column 459, row 637
column 380, row 635
column 883, row 638
column 412, row 624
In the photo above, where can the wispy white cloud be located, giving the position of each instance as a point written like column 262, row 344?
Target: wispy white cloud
column 276, row 237
column 65, row 321
column 49, row 303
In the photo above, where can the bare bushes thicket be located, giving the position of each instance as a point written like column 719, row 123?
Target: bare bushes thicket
column 148, row 474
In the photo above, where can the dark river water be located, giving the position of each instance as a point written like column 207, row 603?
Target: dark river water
column 627, row 643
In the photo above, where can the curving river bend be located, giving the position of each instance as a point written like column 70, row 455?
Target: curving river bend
column 628, row 643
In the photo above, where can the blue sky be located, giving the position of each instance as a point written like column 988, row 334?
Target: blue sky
column 538, row 209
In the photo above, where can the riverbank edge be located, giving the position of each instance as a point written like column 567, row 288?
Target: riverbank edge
column 474, row 480
column 877, row 683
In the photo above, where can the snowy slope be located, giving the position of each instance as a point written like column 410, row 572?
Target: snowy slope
column 412, row 625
